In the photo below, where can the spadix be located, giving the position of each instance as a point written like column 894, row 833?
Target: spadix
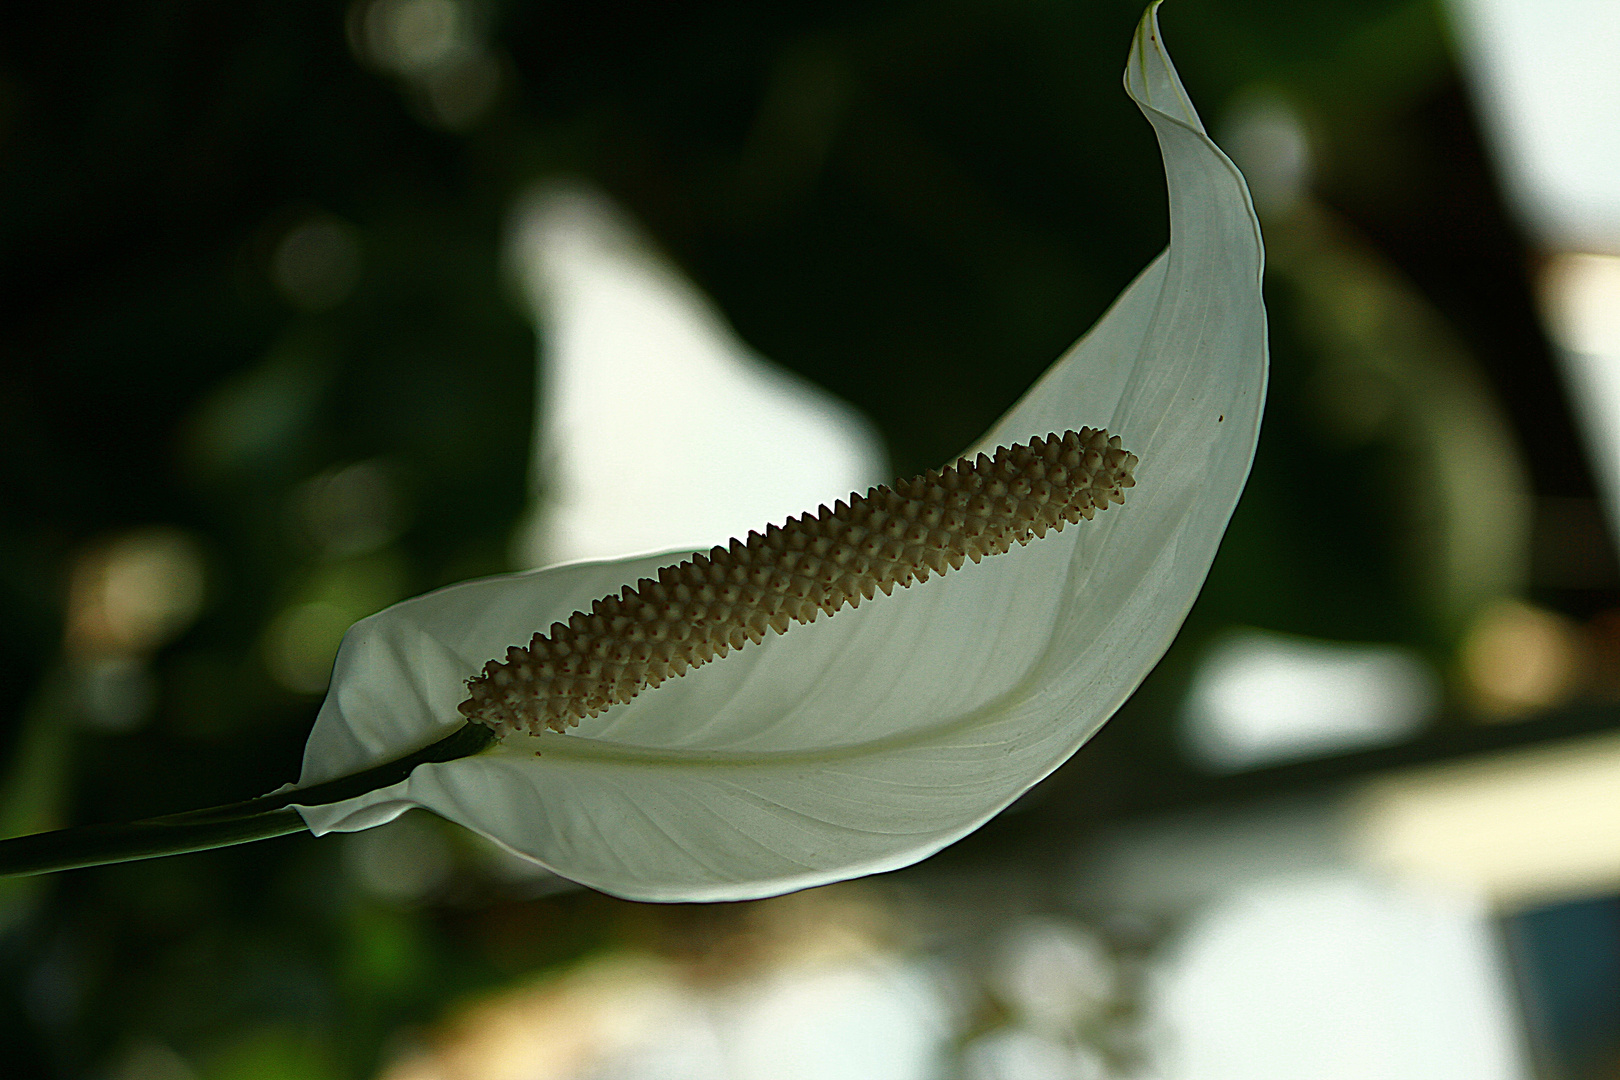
column 700, row 609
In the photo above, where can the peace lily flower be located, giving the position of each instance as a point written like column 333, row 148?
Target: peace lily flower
column 868, row 740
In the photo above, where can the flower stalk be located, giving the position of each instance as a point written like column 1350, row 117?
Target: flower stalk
column 219, row 826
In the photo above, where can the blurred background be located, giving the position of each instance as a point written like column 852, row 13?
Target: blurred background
column 310, row 307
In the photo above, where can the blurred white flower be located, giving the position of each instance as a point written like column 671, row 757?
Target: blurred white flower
column 865, row 742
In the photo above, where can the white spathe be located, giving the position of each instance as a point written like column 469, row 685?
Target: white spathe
column 870, row 740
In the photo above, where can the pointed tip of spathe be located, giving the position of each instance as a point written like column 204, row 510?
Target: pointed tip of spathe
column 1150, row 76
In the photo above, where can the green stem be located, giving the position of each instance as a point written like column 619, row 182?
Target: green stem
column 219, row 826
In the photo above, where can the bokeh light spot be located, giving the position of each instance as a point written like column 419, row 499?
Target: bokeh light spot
column 1517, row 658
column 317, row 263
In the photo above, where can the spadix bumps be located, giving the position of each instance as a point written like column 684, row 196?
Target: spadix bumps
column 708, row 605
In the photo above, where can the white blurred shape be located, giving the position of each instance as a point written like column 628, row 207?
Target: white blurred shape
column 1580, row 298
column 635, row 1018
column 878, row 1019
column 1258, row 698
column 1548, row 79
column 1053, row 973
column 1524, row 828
column 684, row 1049
column 1013, row 1054
column 607, row 1018
column 1546, row 74
column 1336, row 978
column 658, row 428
